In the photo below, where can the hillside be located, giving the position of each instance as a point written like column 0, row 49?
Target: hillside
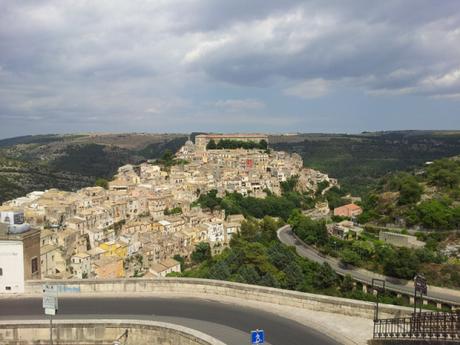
column 71, row 162
column 427, row 198
column 76, row 160
column 359, row 161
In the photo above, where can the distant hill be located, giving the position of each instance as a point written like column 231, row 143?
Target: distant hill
column 76, row 160
column 71, row 162
column 359, row 161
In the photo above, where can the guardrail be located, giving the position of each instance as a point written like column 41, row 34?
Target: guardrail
column 421, row 326
column 217, row 288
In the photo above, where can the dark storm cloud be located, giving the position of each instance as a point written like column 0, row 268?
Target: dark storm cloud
column 415, row 42
column 120, row 61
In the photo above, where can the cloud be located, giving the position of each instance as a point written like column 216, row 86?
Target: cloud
column 160, row 106
column 239, row 104
column 64, row 61
column 366, row 45
column 309, row 89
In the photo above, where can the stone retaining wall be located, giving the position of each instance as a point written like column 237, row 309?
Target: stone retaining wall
column 216, row 288
column 102, row 332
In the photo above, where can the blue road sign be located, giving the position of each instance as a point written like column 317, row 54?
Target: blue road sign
column 257, row 336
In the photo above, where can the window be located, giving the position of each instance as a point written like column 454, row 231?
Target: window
column 19, row 218
column 8, row 288
column 34, row 265
column 1, row 271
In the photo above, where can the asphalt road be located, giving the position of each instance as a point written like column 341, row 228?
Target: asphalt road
column 227, row 322
column 286, row 236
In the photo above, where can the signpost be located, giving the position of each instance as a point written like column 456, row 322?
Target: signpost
column 50, row 304
column 378, row 285
column 257, row 336
column 419, row 286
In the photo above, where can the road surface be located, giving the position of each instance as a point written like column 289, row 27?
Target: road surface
column 286, row 236
column 227, row 322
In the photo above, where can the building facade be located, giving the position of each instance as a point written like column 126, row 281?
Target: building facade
column 19, row 259
column 202, row 140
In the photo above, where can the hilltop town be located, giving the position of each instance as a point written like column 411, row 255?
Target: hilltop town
column 147, row 214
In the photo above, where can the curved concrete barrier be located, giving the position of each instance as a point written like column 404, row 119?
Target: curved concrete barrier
column 83, row 332
column 193, row 287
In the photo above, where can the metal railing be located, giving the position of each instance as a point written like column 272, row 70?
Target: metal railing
column 429, row 325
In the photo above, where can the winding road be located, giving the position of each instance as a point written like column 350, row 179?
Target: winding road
column 227, row 322
column 287, row 236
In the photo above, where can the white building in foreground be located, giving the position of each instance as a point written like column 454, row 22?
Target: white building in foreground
column 11, row 267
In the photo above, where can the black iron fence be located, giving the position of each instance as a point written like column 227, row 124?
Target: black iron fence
column 430, row 325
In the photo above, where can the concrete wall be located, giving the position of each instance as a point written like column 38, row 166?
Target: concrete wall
column 12, row 267
column 208, row 288
column 83, row 332
column 411, row 342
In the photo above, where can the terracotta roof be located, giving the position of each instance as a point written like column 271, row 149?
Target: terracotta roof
column 350, row 207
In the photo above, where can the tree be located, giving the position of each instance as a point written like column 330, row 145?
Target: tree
column 211, row 145
column 310, row 231
column 249, row 274
column 434, row 214
column 408, row 187
column 181, row 260
column 325, row 277
column 263, row 144
column 102, row 182
column 280, row 256
column 219, row 271
column 365, row 249
column 290, row 184
column 410, row 192
column 444, row 173
column 349, row 257
column 201, row 253
column 294, row 275
column 168, row 156
column 347, row 284
column 334, row 196
column 210, row 200
column 403, row 264
column 269, row 280
column 175, row 210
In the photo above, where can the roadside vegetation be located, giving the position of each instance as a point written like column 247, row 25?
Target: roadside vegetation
column 370, row 253
column 255, row 256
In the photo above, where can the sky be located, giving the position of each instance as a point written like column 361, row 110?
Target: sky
column 228, row 66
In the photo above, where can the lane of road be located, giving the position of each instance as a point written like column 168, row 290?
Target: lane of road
column 229, row 323
column 286, row 236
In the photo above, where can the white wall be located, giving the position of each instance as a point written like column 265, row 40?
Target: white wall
column 12, row 265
